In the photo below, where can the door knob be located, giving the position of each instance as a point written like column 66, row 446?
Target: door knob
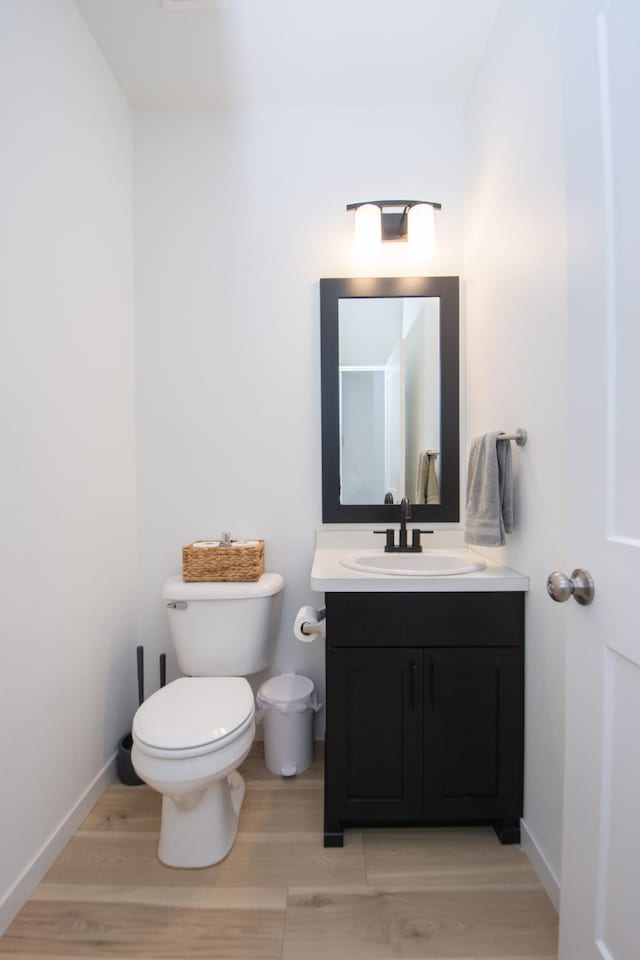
column 580, row 586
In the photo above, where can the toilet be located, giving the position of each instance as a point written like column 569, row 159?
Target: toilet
column 190, row 737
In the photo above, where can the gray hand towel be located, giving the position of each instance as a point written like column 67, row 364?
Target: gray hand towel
column 489, row 492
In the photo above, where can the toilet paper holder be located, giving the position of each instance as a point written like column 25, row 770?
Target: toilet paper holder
column 310, row 627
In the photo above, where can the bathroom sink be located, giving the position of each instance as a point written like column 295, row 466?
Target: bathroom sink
column 431, row 563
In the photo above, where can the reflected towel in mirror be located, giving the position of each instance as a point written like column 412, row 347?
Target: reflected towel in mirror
column 427, row 486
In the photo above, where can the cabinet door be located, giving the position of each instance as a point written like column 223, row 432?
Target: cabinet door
column 473, row 731
column 374, row 735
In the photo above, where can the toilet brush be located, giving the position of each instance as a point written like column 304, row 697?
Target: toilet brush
column 126, row 773
column 163, row 669
column 140, row 660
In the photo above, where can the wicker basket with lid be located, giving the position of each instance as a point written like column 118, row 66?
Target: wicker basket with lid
column 238, row 560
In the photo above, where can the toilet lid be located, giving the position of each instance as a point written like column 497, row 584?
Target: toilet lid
column 193, row 712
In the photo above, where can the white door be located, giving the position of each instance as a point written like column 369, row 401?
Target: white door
column 600, row 903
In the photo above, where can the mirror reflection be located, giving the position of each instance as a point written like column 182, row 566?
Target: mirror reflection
column 389, row 399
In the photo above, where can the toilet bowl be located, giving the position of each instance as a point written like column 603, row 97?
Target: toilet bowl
column 189, row 738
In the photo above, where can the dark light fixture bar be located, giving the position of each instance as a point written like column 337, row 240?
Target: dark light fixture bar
column 394, row 216
column 394, row 203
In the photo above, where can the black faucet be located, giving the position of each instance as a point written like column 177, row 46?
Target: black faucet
column 402, row 546
column 405, row 514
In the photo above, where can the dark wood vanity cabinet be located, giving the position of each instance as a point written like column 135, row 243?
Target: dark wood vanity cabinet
column 424, row 710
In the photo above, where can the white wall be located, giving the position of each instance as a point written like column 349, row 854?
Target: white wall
column 67, row 503
column 237, row 216
column 515, row 266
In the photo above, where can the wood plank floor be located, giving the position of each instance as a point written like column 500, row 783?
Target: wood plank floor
column 387, row 895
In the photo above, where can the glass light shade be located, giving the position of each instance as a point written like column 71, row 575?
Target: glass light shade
column 368, row 229
column 421, row 230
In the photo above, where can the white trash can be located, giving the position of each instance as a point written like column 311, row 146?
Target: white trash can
column 288, row 703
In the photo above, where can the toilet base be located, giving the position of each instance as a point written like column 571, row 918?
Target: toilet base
column 200, row 829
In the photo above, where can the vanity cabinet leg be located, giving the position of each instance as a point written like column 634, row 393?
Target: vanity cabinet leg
column 333, row 835
column 508, row 830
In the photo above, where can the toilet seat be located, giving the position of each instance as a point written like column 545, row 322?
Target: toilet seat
column 194, row 716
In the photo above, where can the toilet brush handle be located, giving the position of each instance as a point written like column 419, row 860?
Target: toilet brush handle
column 163, row 669
column 140, row 655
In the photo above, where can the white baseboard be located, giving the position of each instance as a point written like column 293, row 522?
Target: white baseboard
column 540, row 864
column 44, row 859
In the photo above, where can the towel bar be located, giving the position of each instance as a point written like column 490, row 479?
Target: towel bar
column 520, row 436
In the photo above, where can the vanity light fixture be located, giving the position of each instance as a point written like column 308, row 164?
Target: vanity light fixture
column 390, row 221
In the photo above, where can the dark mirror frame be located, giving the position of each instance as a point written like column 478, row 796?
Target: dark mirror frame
column 447, row 289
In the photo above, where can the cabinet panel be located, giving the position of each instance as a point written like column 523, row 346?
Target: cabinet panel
column 365, row 619
column 473, row 733
column 425, row 619
column 374, row 732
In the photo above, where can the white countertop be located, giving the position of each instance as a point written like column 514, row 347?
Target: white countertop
column 329, row 575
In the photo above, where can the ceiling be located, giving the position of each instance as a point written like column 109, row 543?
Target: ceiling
column 291, row 52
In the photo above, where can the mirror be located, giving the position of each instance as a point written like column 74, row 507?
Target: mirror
column 390, row 407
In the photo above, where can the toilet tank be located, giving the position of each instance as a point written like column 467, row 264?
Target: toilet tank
column 223, row 629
